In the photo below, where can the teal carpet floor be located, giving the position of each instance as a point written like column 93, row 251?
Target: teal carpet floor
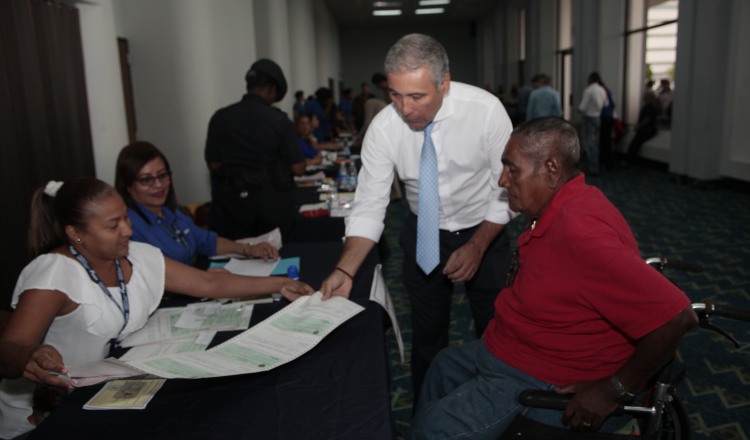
column 703, row 223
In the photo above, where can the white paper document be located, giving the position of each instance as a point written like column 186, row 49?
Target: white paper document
column 183, row 324
column 100, row 371
column 201, row 342
column 320, row 175
column 252, row 268
column 273, row 238
column 281, row 338
column 379, row 293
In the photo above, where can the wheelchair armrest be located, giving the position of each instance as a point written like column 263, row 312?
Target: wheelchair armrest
column 551, row 400
column 544, row 399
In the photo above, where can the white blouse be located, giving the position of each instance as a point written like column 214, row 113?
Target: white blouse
column 83, row 335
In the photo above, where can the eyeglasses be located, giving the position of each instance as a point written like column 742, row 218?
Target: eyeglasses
column 163, row 177
column 512, row 269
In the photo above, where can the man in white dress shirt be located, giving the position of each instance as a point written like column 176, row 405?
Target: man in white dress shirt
column 593, row 101
column 469, row 131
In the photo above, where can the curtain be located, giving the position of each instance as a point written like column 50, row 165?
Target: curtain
column 44, row 121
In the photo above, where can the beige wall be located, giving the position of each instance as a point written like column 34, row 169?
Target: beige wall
column 188, row 58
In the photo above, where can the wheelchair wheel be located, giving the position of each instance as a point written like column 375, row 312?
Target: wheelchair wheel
column 675, row 422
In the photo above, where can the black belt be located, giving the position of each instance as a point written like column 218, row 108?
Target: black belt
column 460, row 231
column 445, row 231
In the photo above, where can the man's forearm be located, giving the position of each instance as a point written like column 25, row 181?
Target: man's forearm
column 654, row 350
column 355, row 251
column 485, row 234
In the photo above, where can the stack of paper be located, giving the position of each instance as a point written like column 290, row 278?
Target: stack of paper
column 283, row 337
column 185, row 329
column 273, row 238
column 125, row 394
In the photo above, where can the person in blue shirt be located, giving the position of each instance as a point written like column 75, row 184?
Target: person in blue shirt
column 307, row 142
column 544, row 100
column 144, row 180
column 299, row 103
column 324, row 109
column 345, row 117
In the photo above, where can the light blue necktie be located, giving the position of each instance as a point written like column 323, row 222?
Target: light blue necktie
column 428, row 215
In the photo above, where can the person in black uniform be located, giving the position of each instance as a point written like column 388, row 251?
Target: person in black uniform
column 645, row 128
column 252, row 152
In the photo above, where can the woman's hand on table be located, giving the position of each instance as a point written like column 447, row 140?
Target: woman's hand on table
column 293, row 289
column 46, row 366
column 264, row 250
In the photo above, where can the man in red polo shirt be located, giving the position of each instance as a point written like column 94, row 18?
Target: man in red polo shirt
column 581, row 311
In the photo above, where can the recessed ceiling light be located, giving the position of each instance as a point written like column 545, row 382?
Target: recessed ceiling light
column 386, row 4
column 386, row 12
column 425, row 11
column 434, row 2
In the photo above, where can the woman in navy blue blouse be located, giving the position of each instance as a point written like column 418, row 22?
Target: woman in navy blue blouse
column 307, row 142
column 144, row 180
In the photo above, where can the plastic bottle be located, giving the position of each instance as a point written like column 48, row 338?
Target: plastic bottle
column 292, row 272
column 352, row 176
column 333, row 197
column 346, row 151
column 343, row 178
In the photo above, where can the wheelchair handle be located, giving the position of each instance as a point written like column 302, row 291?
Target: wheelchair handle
column 727, row 311
column 660, row 263
column 553, row 400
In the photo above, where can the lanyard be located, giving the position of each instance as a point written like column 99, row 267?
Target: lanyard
column 175, row 233
column 125, row 308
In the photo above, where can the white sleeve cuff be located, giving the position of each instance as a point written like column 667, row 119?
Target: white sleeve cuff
column 364, row 227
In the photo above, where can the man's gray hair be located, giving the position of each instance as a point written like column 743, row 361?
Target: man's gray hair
column 550, row 135
column 414, row 51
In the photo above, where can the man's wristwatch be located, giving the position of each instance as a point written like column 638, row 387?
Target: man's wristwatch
column 625, row 396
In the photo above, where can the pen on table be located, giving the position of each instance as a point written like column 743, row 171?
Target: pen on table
column 62, row 376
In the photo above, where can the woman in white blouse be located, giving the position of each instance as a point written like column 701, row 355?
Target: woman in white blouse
column 87, row 287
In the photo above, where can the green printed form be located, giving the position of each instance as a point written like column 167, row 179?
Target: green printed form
column 177, row 369
column 190, row 347
column 308, row 324
column 225, row 317
column 286, row 335
column 247, row 355
column 178, row 332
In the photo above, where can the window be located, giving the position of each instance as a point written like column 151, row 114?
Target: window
column 651, row 42
column 661, row 41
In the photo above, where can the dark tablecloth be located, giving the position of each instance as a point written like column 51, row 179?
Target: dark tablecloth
column 338, row 390
column 316, row 229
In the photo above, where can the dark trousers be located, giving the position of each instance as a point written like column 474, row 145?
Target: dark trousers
column 431, row 294
column 605, row 142
column 634, row 149
column 215, row 214
column 252, row 213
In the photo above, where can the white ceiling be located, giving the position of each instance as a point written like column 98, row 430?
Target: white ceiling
column 358, row 13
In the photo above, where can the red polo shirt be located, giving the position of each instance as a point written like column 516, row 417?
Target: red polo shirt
column 582, row 295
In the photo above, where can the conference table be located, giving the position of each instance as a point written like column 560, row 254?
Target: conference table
column 338, row 390
column 325, row 228
column 314, row 229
